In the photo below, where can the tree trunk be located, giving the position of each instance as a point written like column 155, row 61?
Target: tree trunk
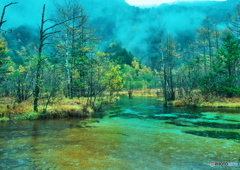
column 165, row 87
column 37, row 87
column 172, row 96
column 39, row 65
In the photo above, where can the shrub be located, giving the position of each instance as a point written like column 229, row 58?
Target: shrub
column 4, row 119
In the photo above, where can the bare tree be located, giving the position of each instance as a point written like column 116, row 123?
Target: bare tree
column 206, row 38
column 2, row 21
column 44, row 34
column 233, row 22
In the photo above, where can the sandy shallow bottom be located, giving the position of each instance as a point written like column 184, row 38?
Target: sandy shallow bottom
column 114, row 143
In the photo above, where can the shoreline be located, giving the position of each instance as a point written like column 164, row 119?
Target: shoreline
column 200, row 102
column 63, row 108
column 209, row 105
column 79, row 108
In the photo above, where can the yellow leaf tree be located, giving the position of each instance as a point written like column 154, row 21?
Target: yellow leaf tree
column 113, row 80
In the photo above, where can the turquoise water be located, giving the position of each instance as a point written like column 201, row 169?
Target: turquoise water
column 223, row 120
column 137, row 133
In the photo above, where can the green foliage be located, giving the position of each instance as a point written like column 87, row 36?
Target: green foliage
column 228, row 55
column 137, row 76
column 113, row 80
column 129, row 77
column 4, row 60
column 222, row 80
column 20, row 76
column 119, row 55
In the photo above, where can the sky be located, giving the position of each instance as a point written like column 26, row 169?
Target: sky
column 158, row 2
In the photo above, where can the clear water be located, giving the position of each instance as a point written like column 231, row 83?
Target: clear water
column 137, row 133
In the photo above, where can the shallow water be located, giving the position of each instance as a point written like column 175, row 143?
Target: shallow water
column 136, row 133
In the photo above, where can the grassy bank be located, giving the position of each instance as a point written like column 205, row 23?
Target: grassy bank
column 224, row 103
column 77, row 107
column 207, row 101
column 142, row 92
column 194, row 99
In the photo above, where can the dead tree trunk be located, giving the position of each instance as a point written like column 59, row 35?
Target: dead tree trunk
column 3, row 13
column 44, row 34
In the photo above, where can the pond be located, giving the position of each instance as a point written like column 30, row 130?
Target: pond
column 137, row 133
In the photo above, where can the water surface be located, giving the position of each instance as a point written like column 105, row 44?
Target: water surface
column 137, row 133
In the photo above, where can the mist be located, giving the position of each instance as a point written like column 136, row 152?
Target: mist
column 129, row 25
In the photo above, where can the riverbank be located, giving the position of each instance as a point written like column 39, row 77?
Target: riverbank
column 202, row 101
column 61, row 108
column 142, row 93
column 195, row 99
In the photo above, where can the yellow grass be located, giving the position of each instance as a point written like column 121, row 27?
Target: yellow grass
column 224, row 102
column 143, row 92
column 77, row 107
column 200, row 100
column 63, row 108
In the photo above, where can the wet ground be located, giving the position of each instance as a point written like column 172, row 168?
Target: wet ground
column 134, row 133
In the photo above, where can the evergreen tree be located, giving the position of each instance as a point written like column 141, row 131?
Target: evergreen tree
column 222, row 80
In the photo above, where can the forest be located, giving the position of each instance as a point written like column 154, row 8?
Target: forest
column 78, row 59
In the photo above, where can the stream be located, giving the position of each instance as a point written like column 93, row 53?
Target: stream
column 136, row 133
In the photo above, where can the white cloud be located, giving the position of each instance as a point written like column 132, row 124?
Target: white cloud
column 158, row 2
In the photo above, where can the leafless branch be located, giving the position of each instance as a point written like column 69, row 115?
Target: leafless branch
column 3, row 13
column 60, row 23
column 233, row 22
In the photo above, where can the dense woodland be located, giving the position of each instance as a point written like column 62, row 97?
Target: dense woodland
column 68, row 57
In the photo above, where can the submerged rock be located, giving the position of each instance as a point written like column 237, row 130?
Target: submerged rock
column 87, row 123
